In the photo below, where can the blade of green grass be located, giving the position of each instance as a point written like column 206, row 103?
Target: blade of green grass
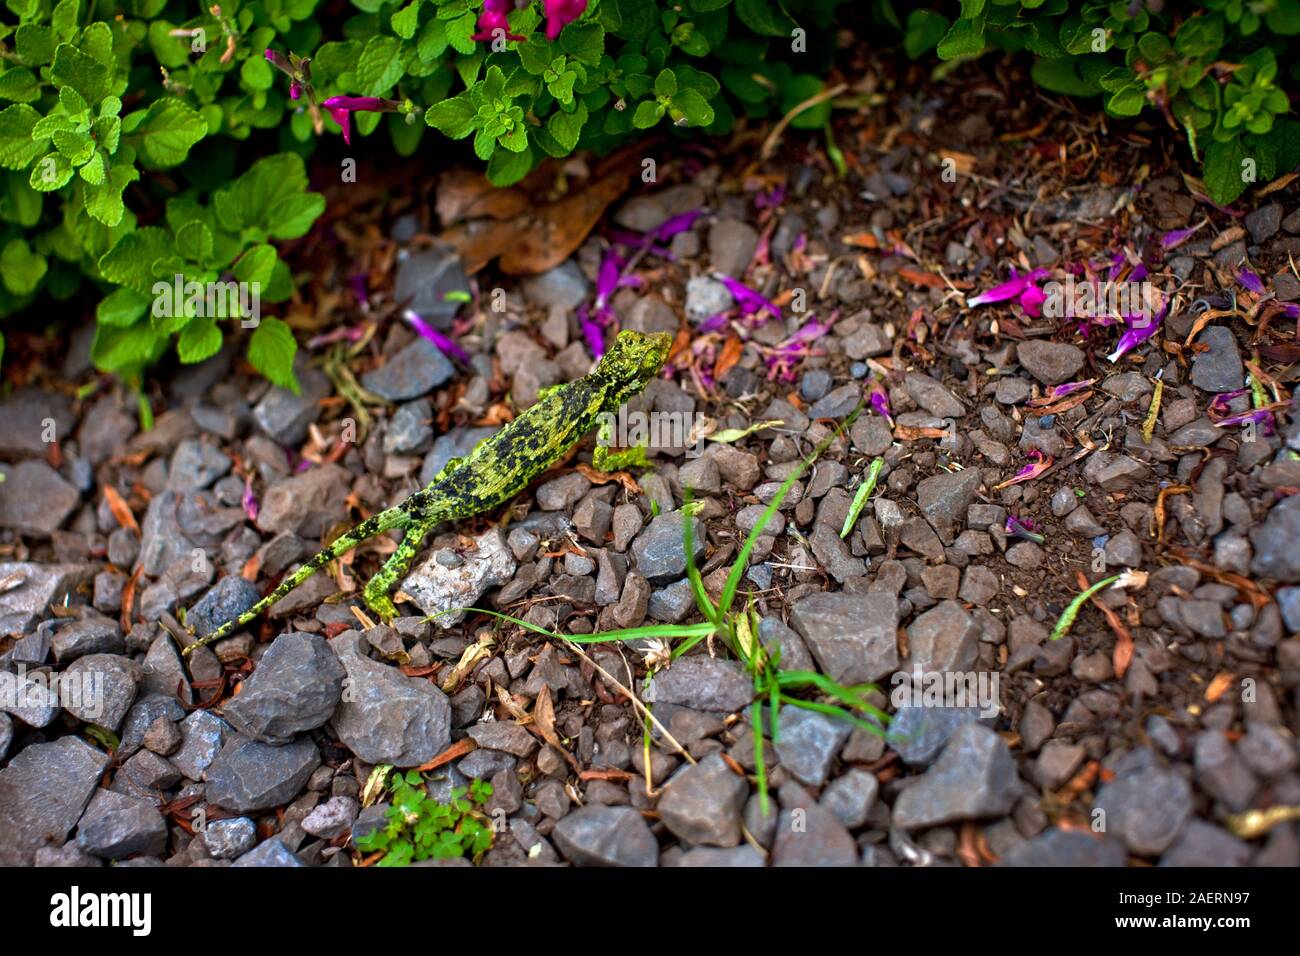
column 860, row 499
column 706, row 606
column 742, row 560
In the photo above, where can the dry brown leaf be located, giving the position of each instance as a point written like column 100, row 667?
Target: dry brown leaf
column 120, row 509
column 459, row 749
column 605, row 477
column 728, row 357
column 1219, row 686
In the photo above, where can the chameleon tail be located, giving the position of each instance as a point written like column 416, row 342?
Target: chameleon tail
column 340, row 546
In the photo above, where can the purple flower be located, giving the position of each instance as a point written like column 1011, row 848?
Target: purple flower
column 1022, row 528
column 1137, row 329
column 1022, row 287
column 713, row 323
column 679, row 223
column 1218, row 406
column 357, row 283
column 251, row 507
column 445, row 345
column 748, row 300
column 341, row 109
column 279, row 61
column 1251, row 281
column 1060, row 391
column 1038, row 463
column 1177, row 237
column 493, row 18
column 560, row 13
column 1262, row 416
column 295, row 90
column 880, row 402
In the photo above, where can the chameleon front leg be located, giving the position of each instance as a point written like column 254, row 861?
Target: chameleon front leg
column 399, row 562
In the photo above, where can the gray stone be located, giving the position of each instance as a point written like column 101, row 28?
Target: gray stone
column 704, row 683
column 195, row 465
column 853, row 637
column 35, row 499
column 606, row 836
column 732, row 243
column 1050, row 362
column 162, row 542
column 850, row 797
column 932, row 396
column 1220, row 368
column 24, row 419
column 225, row 601
column 943, row 639
column 673, row 603
column 32, row 588
column 659, row 551
column 1222, row 773
column 1147, row 809
column 29, row 697
column 332, row 818
column 387, row 717
column 1073, row 848
column 703, row 803
column 410, row 430
column 563, row 287
column 108, row 685
column 203, row 734
column 919, row 733
column 712, row 856
column 945, row 498
column 436, row 587
column 815, row 837
column 1113, row 472
column 295, row 688
column 308, row 504
column 285, row 416
column 93, row 634
column 457, row 443
column 43, row 792
column 508, row 737
column 163, row 672
column 423, row 279
column 974, row 778
column 807, row 743
column 115, row 826
column 229, row 838
column 1268, row 750
column 148, row 708
column 1203, row 844
column 416, row 370
column 705, row 297
column 6, row 734
column 248, row 776
column 269, row 853
column 1274, row 541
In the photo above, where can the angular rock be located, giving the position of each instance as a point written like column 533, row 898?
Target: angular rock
column 107, row 685
column 704, row 683
column 945, row 498
column 606, row 836
column 1050, row 362
column 659, row 551
column 203, row 734
column 416, row 370
column 33, row 587
column 43, row 792
column 1274, row 542
column 1074, row 848
column 1146, row 809
column 115, row 826
column 853, row 637
column 808, row 834
column 943, row 639
column 306, row 504
column 919, row 733
column 229, row 838
column 435, row 586
column 1219, row 369
column 229, row 598
column 385, row 716
column 974, row 777
column 703, row 804
column 808, row 742
column 248, row 776
column 35, row 499
column 295, row 688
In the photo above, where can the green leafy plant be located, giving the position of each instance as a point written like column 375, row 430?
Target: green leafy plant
column 418, row 827
column 737, row 629
column 1210, row 68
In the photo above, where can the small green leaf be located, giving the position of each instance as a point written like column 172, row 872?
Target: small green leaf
column 21, row 268
column 380, row 65
column 271, row 349
column 82, row 72
column 964, row 38
column 405, row 20
column 200, row 339
column 165, row 131
column 104, row 202
column 696, row 109
column 765, row 17
column 122, row 307
column 16, row 146
column 665, row 83
column 648, row 113
column 454, row 117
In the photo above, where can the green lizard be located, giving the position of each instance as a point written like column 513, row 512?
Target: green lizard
column 496, row 470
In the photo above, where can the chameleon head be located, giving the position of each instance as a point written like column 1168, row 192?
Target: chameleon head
column 632, row 361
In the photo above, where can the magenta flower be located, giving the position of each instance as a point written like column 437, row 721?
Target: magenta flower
column 1262, row 416
column 251, row 507
column 445, row 345
column 1022, row 287
column 748, row 300
column 1137, row 329
column 1177, row 237
column 1022, row 528
column 295, row 90
column 341, row 109
column 493, row 18
column 1038, row 463
column 560, row 13
column 1251, row 281
column 1060, row 391
column 879, row 399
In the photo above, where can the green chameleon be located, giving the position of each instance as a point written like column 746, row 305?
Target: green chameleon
column 496, row 470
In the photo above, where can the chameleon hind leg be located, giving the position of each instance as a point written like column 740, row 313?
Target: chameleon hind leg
column 378, row 588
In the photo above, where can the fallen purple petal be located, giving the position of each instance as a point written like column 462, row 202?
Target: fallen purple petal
column 1177, row 237
column 749, row 301
column 251, row 507
column 1010, row 289
column 427, row 331
column 1252, row 282
column 1138, row 328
